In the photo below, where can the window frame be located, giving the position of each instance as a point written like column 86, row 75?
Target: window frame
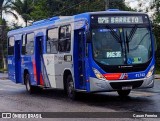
column 69, row 25
column 27, row 41
column 9, row 41
column 22, row 44
column 54, row 41
column 11, row 46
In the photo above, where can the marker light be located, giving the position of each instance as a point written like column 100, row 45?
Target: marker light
column 150, row 73
column 115, row 76
column 98, row 74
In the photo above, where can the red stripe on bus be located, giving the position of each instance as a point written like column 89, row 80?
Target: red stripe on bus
column 41, row 79
column 34, row 70
column 113, row 76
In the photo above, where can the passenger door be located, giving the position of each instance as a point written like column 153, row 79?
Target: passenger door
column 38, row 59
column 18, row 61
column 14, row 60
column 11, row 59
column 80, row 59
column 64, row 56
column 50, row 57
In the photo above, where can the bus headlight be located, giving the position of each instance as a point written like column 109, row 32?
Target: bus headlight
column 98, row 74
column 150, row 73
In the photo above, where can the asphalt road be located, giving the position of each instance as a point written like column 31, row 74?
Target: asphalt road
column 14, row 98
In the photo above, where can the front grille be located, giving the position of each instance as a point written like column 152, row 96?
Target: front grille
column 119, row 85
column 121, row 69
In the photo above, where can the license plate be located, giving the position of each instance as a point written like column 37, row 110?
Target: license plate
column 126, row 87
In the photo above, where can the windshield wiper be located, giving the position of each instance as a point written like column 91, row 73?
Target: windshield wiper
column 114, row 34
column 129, row 38
column 127, row 42
column 133, row 31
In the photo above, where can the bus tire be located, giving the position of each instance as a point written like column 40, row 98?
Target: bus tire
column 71, row 93
column 123, row 93
column 28, row 85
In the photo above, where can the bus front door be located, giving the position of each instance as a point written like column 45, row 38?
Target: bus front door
column 17, row 61
column 79, row 59
column 38, row 59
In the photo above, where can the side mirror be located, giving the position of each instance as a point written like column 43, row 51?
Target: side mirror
column 88, row 37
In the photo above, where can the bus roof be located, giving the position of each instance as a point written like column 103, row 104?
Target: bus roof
column 116, row 12
column 51, row 21
column 38, row 25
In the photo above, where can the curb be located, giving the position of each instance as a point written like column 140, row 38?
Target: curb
column 4, row 72
column 4, row 78
column 157, row 78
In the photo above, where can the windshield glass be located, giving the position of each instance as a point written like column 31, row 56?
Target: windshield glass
column 121, row 46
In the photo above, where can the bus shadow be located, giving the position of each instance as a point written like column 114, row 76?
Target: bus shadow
column 113, row 101
column 105, row 100
column 50, row 93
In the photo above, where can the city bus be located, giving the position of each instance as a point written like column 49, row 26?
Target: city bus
column 91, row 52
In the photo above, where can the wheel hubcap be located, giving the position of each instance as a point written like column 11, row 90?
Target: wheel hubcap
column 70, row 88
column 27, row 84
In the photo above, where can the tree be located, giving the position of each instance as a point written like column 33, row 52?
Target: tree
column 156, row 28
column 5, row 7
column 156, row 7
column 119, row 4
column 72, row 7
column 3, row 42
column 45, row 9
column 23, row 8
column 48, row 8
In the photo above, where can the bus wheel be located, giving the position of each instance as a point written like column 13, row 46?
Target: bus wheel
column 123, row 93
column 70, row 88
column 29, row 88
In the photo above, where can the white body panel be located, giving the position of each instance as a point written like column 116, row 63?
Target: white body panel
column 55, row 67
column 49, row 61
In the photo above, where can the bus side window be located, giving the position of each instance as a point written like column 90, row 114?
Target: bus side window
column 65, row 39
column 30, row 44
column 68, row 38
column 11, row 46
column 24, row 45
column 52, row 41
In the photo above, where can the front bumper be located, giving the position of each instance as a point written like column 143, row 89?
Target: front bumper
column 97, row 85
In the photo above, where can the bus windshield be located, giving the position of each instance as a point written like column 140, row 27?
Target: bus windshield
column 121, row 45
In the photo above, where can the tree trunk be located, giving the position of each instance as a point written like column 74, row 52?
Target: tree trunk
column 2, row 39
column 107, row 4
column 26, row 22
column 2, row 44
column 4, row 60
column 0, row 14
column 4, row 64
column 2, row 56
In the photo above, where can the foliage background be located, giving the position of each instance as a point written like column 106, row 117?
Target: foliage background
column 33, row 10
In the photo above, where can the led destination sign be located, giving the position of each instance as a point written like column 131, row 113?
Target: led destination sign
column 120, row 20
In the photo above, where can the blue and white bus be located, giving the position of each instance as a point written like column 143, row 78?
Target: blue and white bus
column 90, row 52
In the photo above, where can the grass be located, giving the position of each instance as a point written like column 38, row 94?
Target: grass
column 3, row 70
column 157, row 71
